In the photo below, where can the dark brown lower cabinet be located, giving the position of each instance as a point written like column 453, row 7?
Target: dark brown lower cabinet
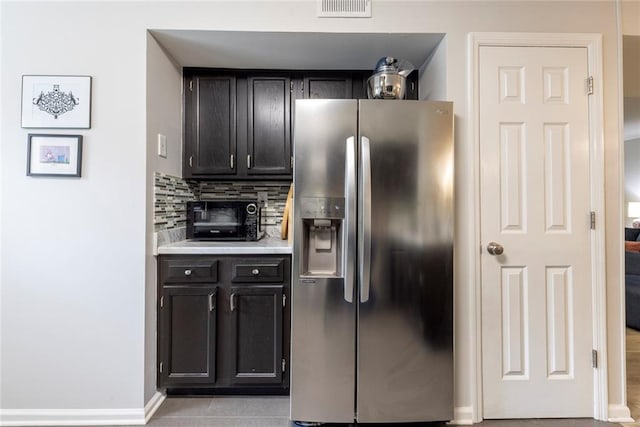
column 223, row 329
column 256, row 327
column 188, row 324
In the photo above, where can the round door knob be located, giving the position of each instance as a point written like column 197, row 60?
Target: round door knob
column 187, row 272
column 495, row 248
column 255, row 271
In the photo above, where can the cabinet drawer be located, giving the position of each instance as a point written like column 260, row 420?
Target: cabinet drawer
column 266, row 270
column 190, row 270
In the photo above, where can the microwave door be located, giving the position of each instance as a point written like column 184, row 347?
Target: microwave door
column 220, row 223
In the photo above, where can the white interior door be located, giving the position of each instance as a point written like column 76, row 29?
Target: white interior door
column 536, row 296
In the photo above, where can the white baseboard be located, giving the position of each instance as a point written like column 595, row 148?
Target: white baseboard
column 71, row 417
column 81, row 417
column 462, row 416
column 619, row 414
column 152, row 405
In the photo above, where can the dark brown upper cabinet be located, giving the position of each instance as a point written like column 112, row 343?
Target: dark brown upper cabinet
column 269, row 126
column 210, row 126
column 238, row 123
column 328, row 87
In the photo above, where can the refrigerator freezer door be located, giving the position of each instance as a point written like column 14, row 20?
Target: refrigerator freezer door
column 323, row 307
column 405, row 326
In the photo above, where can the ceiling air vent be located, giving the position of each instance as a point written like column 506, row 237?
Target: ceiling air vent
column 344, row 8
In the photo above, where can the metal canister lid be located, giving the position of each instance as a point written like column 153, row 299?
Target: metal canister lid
column 387, row 64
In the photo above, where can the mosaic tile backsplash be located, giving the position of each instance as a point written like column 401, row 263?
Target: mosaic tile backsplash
column 172, row 193
column 170, row 197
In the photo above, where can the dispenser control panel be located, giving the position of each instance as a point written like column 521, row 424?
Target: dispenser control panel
column 322, row 207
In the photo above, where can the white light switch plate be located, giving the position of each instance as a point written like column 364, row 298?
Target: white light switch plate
column 162, row 145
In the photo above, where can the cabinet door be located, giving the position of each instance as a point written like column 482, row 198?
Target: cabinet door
column 321, row 87
column 256, row 328
column 269, row 126
column 187, row 336
column 210, row 126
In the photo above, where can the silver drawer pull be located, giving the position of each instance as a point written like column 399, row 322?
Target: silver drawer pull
column 255, row 271
column 187, row 272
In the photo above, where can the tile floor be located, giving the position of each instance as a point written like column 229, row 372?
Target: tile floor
column 273, row 411
column 223, row 411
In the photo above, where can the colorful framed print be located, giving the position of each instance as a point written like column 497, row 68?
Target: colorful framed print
column 54, row 155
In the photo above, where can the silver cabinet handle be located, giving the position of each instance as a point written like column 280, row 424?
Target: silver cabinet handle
column 191, row 161
column 187, row 272
column 255, row 271
column 211, row 305
column 350, row 211
column 232, row 302
column 231, row 158
column 495, row 248
column 248, row 161
column 365, row 219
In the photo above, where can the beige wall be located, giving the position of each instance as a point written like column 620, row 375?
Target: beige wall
column 630, row 14
column 164, row 116
column 103, row 325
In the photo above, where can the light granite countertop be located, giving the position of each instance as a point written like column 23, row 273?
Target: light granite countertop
column 266, row 245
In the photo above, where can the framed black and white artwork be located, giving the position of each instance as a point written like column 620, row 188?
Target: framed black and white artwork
column 54, row 155
column 56, row 102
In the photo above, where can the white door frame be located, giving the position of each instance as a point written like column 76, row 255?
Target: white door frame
column 593, row 44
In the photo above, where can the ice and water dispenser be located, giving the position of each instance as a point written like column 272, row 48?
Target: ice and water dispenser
column 322, row 235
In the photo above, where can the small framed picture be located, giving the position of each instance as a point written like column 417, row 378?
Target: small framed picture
column 54, row 155
column 56, row 102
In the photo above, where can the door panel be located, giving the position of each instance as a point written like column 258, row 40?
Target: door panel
column 257, row 334
column 405, row 326
column 536, row 296
column 269, row 126
column 214, row 141
column 325, row 87
column 514, row 322
column 187, row 346
column 323, row 322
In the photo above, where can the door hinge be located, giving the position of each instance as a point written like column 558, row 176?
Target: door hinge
column 291, row 86
column 594, row 358
column 593, row 220
column 161, row 302
column 191, row 85
column 590, row 85
column 284, row 366
column 160, row 367
column 291, row 162
column 284, row 300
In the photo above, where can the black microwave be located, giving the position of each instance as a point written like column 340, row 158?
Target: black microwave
column 224, row 220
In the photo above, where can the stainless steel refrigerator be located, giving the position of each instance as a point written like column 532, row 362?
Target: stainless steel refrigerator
column 372, row 309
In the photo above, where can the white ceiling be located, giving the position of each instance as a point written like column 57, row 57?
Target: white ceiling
column 295, row 51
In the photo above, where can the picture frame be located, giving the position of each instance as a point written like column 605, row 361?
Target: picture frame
column 54, row 155
column 62, row 102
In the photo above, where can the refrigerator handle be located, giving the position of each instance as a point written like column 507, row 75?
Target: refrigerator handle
column 349, row 235
column 364, row 244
